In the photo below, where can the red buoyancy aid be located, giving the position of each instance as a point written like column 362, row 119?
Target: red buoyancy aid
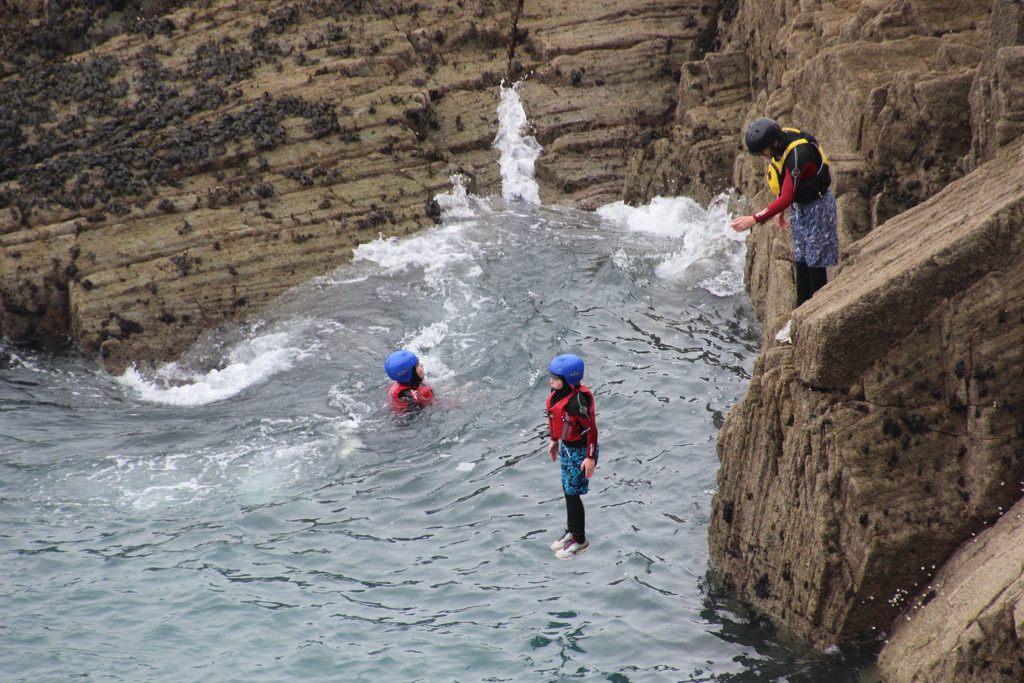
column 418, row 396
column 568, row 427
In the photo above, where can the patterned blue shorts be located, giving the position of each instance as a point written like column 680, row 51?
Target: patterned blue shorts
column 573, row 481
column 815, row 239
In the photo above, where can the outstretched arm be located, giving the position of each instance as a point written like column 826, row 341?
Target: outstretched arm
column 784, row 200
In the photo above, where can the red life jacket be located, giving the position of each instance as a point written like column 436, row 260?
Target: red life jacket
column 568, row 427
column 418, row 396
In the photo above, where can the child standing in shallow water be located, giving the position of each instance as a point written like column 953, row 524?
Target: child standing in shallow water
column 572, row 426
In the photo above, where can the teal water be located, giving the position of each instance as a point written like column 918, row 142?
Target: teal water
column 255, row 513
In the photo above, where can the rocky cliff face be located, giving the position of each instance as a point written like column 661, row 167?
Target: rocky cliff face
column 966, row 626
column 890, row 432
column 169, row 166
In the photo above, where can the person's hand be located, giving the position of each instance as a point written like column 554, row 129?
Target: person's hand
column 743, row 223
column 588, row 467
column 553, row 450
column 780, row 222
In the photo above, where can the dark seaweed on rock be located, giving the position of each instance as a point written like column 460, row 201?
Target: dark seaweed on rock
column 109, row 147
column 47, row 31
column 220, row 59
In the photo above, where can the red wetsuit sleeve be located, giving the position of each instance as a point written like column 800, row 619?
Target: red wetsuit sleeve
column 781, row 202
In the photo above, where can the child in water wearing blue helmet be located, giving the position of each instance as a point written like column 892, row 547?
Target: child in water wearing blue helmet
column 572, row 424
column 407, row 391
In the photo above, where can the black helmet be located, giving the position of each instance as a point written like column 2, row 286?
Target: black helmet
column 761, row 134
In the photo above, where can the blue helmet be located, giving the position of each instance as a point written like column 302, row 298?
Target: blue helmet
column 569, row 368
column 400, row 364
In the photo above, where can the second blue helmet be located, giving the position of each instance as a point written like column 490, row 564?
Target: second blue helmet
column 568, row 366
column 400, row 365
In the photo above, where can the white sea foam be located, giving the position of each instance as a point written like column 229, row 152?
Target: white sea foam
column 346, row 399
column 518, row 151
column 278, row 454
column 709, row 255
column 250, row 362
column 15, row 359
column 163, row 495
column 432, row 250
column 459, row 203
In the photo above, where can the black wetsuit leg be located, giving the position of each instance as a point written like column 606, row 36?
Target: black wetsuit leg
column 808, row 281
column 818, row 278
column 576, row 517
column 803, row 282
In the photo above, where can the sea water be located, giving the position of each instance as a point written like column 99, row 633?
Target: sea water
column 254, row 512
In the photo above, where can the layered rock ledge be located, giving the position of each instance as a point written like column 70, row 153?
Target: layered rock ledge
column 892, row 429
column 202, row 158
column 873, row 450
column 967, row 625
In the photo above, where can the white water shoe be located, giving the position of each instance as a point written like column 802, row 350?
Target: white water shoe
column 783, row 336
column 572, row 549
column 560, row 543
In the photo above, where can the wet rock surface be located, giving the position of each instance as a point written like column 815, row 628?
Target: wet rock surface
column 167, row 167
column 966, row 625
column 873, row 449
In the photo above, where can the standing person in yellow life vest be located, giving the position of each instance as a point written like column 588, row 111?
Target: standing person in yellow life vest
column 407, row 391
column 798, row 173
column 572, row 424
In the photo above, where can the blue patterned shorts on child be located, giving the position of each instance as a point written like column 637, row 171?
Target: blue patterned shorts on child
column 573, row 481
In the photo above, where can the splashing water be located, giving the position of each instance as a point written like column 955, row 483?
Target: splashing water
column 459, row 203
column 518, row 152
column 253, row 361
column 708, row 256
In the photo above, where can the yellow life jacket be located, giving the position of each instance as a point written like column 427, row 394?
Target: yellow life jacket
column 775, row 164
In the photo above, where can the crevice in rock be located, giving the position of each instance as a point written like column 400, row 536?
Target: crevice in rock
column 514, row 37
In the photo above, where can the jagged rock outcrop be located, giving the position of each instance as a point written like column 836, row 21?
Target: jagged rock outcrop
column 890, row 431
column 884, row 86
column 893, row 427
column 170, row 166
column 967, row 625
